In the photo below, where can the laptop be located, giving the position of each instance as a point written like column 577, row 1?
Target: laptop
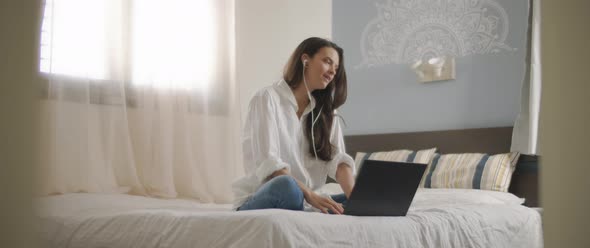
column 384, row 188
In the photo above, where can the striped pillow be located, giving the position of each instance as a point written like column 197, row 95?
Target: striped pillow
column 421, row 156
column 471, row 171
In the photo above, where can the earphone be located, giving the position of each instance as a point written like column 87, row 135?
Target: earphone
column 313, row 119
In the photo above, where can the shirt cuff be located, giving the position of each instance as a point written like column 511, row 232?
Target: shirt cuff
column 267, row 167
column 339, row 159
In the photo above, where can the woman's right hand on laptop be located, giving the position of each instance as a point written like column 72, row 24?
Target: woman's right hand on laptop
column 323, row 203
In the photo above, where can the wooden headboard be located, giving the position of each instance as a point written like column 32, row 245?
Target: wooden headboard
column 481, row 140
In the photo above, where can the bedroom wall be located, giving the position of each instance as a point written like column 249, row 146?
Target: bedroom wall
column 18, row 22
column 266, row 34
column 381, row 40
column 565, row 119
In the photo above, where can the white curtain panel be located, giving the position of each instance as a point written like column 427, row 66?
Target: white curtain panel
column 140, row 97
column 526, row 127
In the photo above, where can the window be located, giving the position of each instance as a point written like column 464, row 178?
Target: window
column 169, row 44
column 73, row 38
column 45, row 57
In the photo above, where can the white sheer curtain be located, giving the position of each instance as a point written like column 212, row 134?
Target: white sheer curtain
column 140, row 98
column 526, row 127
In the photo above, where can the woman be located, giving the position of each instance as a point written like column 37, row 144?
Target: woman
column 292, row 140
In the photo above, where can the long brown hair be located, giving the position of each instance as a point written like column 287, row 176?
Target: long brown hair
column 332, row 97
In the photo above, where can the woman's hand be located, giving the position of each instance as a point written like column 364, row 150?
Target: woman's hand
column 323, row 203
column 317, row 201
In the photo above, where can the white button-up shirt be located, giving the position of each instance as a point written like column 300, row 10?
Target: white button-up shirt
column 273, row 139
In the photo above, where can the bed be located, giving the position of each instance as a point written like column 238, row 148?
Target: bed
column 437, row 218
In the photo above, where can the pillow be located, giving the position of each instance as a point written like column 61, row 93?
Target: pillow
column 471, row 171
column 437, row 197
column 423, row 181
column 422, row 156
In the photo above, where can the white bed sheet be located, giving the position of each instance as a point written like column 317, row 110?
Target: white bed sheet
column 437, row 218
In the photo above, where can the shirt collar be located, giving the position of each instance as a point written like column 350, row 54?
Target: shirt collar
column 285, row 90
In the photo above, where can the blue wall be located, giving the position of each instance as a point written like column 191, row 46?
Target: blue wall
column 382, row 38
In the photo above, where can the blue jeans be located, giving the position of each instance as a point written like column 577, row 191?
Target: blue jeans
column 280, row 192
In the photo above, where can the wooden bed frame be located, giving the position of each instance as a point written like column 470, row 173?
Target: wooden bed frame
column 482, row 140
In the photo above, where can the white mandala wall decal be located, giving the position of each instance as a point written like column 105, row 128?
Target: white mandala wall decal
column 405, row 31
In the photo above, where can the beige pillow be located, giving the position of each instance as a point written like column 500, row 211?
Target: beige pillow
column 471, row 171
column 422, row 156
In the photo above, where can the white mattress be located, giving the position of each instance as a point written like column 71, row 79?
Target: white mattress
column 437, row 218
